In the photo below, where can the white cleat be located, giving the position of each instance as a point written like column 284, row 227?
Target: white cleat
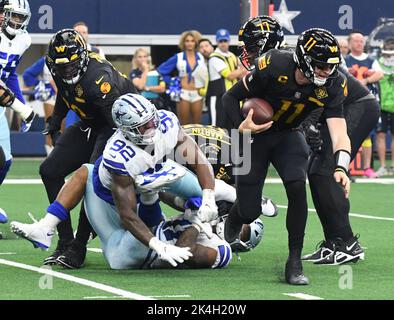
column 3, row 216
column 268, row 208
column 158, row 180
column 38, row 235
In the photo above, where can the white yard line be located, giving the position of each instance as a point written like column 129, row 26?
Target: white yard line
column 358, row 215
column 7, row 253
column 119, row 297
column 96, row 250
column 81, row 281
column 302, row 296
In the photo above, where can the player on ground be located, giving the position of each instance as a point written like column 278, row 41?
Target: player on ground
column 14, row 41
column 294, row 85
column 143, row 140
column 89, row 86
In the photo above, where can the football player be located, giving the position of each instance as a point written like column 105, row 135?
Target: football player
column 14, row 41
column 146, row 137
column 294, row 85
column 89, row 86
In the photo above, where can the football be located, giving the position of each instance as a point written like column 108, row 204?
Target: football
column 262, row 110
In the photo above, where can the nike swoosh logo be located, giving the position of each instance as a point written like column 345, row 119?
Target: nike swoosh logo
column 344, row 83
column 99, row 80
column 351, row 247
column 49, row 234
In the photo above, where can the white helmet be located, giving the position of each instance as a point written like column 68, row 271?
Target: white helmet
column 133, row 113
column 16, row 16
column 256, row 233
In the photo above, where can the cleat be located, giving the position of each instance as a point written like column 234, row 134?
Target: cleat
column 238, row 246
column 324, row 248
column 74, row 256
column 157, row 180
column 38, row 235
column 268, row 207
column 344, row 252
column 231, row 230
column 60, row 249
column 294, row 274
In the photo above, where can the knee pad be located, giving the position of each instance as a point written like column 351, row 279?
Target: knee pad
column 4, row 169
column 295, row 188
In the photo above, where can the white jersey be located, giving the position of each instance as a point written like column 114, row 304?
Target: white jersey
column 11, row 52
column 123, row 157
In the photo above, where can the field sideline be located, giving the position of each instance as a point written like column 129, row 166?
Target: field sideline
column 258, row 275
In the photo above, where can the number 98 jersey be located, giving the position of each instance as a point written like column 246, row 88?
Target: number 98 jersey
column 123, row 157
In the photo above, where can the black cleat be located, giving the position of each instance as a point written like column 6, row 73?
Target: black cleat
column 231, row 230
column 344, row 252
column 238, row 246
column 294, row 274
column 323, row 249
column 60, row 249
column 73, row 257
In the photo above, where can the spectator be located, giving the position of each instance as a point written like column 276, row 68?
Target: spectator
column 202, row 79
column 146, row 79
column 224, row 72
column 83, row 29
column 386, row 61
column 32, row 76
column 368, row 72
column 188, row 62
column 343, row 46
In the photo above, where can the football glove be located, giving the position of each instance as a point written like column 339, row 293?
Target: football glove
column 170, row 253
column 206, row 228
column 313, row 138
column 208, row 210
column 26, row 124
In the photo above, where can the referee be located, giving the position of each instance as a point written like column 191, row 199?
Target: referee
column 89, row 86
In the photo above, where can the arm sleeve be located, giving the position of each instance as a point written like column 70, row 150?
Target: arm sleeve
column 231, row 103
column 59, row 113
column 13, row 84
column 31, row 74
column 167, row 67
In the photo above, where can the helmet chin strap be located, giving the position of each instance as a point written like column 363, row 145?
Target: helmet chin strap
column 73, row 80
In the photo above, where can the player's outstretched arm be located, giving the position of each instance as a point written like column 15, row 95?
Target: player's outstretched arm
column 342, row 149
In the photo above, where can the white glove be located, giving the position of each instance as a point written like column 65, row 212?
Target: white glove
column 169, row 252
column 208, row 210
column 206, row 228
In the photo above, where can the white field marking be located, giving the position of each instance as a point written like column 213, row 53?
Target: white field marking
column 96, row 250
column 119, row 297
column 303, row 296
column 268, row 180
column 358, row 215
column 81, row 281
column 7, row 253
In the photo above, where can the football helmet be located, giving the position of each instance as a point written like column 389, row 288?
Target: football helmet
column 256, row 233
column 67, row 56
column 317, row 48
column 16, row 16
column 136, row 117
column 257, row 36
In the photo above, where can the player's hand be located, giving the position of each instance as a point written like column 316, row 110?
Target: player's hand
column 313, row 138
column 26, row 124
column 248, row 124
column 208, row 210
column 7, row 97
column 192, row 217
column 170, row 253
column 343, row 179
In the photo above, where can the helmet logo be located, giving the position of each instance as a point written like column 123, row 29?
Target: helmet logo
column 60, row 49
column 311, row 42
column 333, row 48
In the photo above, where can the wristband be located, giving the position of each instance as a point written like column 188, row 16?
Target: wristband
column 208, row 194
column 22, row 109
column 342, row 161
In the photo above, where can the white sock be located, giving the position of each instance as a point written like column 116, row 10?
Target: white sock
column 50, row 221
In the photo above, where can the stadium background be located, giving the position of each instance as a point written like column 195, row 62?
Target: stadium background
column 121, row 26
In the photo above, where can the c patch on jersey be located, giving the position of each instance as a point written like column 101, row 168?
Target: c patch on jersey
column 321, row 93
column 105, row 87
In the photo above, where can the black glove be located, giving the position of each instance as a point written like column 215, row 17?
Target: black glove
column 313, row 138
column 7, row 97
column 50, row 130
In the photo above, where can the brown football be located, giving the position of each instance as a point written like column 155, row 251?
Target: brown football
column 262, row 110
